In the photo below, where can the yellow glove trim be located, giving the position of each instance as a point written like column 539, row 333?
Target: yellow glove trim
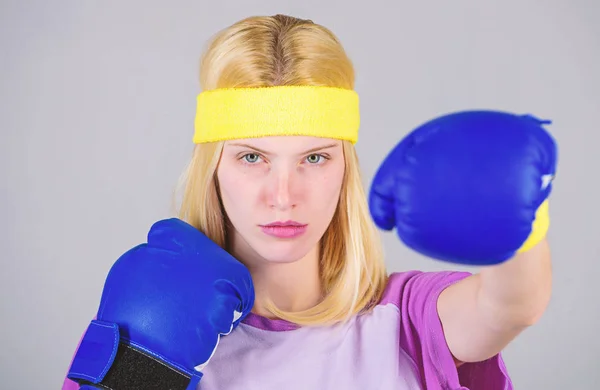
column 539, row 229
column 235, row 113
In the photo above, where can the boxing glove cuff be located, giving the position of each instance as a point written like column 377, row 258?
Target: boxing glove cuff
column 106, row 362
column 539, row 228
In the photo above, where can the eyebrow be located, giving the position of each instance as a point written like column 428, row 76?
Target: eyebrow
column 265, row 152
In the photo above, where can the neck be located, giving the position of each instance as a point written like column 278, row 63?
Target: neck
column 291, row 287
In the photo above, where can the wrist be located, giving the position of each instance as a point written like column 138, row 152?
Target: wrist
column 517, row 292
column 104, row 361
column 134, row 369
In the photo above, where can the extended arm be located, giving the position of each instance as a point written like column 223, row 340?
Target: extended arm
column 483, row 313
column 473, row 188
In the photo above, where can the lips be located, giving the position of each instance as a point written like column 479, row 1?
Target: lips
column 284, row 229
column 285, row 224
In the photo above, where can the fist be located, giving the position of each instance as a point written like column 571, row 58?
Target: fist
column 170, row 299
column 469, row 187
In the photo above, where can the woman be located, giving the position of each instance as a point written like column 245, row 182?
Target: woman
column 289, row 204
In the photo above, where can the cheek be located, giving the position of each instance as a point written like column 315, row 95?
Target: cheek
column 326, row 191
column 235, row 191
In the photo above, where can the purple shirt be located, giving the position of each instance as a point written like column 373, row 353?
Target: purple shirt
column 399, row 345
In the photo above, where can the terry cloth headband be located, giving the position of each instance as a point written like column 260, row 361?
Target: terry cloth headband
column 234, row 113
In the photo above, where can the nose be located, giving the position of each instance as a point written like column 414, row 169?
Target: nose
column 282, row 192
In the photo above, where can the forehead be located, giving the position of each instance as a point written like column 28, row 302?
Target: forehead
column 285, row 144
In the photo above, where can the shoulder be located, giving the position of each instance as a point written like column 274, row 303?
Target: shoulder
column 415, row 294
column 418, row 287
column 421, row 335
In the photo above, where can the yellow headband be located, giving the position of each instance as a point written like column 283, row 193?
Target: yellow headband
column 234, row 113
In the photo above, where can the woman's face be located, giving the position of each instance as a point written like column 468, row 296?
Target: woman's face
column 280, row 193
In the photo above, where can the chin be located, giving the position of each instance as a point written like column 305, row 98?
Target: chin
column 274, row 251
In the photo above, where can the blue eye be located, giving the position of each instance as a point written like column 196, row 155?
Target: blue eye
column 251, row 158
column 314, row 158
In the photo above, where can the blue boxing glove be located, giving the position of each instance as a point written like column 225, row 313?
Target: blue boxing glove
column 164, row 306
column 469, row 187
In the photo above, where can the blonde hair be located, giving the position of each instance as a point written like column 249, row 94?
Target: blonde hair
column 283, row 50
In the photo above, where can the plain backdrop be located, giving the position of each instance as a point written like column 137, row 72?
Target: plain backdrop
column 96, row 118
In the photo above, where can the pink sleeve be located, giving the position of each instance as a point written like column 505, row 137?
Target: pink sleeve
column 422, row 337
column 68, row 384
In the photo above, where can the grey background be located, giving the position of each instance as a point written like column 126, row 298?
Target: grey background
column 96, row 119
